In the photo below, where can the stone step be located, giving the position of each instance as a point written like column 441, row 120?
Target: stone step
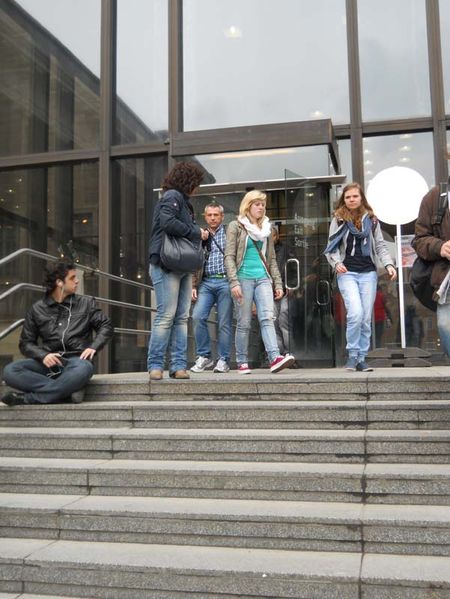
column 281, row 445
column 129, row 570
column 308, row 384
column 299, row 481
column 349, row 414
column 302, row 526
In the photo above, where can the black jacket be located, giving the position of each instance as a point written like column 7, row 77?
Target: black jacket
column 174, row 215
column 67, row 326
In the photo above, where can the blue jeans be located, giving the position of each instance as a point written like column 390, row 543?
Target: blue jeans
column 213, row 291
column 358, row 290
column 443, row 322
column 31, row 376
column 169, row 329
column 260, row 292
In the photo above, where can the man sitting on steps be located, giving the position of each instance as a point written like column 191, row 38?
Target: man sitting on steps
column 61, row 366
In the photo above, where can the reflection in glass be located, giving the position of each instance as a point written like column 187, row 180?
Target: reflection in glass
column 260, row 165
column 142, row 71
column 394, row 68
column 260, row 61
column 49, row 70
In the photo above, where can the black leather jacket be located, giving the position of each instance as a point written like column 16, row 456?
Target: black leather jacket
column 64, row 327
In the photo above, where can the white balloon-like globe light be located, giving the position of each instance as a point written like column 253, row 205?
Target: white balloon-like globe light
column 395, row 194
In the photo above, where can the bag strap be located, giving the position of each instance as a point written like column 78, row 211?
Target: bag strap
column 442, row 204
column 217, row 245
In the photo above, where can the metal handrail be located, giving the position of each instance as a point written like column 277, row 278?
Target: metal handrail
column 12, row 327
column 20, row 286
column 88, row 269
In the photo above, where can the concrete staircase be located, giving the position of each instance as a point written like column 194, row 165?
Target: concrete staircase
column 306, row 484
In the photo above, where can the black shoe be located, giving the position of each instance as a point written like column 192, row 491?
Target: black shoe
column 78, row 396
column 13, row 399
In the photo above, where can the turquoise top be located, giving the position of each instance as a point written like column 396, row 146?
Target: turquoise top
column 252, row 266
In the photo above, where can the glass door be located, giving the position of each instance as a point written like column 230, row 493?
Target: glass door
column 304, row 231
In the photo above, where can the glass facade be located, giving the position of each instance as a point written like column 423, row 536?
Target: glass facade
column 261, row 61
column 98, row 98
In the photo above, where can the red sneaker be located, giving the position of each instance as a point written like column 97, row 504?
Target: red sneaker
column 282, row 362
column 244, row 369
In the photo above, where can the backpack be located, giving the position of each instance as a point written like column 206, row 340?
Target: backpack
column 421, row 269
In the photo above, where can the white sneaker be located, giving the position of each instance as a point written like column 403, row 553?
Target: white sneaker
column 201, row 364
column 221, row 366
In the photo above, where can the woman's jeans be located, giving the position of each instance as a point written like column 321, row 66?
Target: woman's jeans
column 260, row 292
column 358, row 290
column 443, row 322
column 48, row 385
column 173, row 301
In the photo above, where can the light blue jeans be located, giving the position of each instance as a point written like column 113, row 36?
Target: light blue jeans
column 169, row 329
column 213, row 291
column 358, row 290
column 260, row 292
column 443, row 322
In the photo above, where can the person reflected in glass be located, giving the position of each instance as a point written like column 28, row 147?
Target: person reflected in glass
column 174, row 215
column 251, row 267
column 355, row 243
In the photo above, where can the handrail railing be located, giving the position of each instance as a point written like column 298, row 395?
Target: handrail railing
column 88, row 269
column 12, row 327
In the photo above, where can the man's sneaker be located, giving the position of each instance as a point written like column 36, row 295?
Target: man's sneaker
column 281, row 362
column 13, row 399
column 202, row 363
column 78, row 396
column 363, row 367
column 351, row 363
column 244, row 369
column 221, row 366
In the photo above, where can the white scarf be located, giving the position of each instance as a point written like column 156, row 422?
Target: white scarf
column 256, row 233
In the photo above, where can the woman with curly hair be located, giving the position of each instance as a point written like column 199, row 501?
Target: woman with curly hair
column 355, row 243
column 173, row 215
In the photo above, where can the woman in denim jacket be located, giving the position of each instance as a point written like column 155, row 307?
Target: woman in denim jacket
column 355, row 245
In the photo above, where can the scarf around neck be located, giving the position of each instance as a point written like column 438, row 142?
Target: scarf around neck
column 348, row 226
column 254, row 231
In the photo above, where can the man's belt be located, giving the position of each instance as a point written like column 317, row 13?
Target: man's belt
column 218, row 276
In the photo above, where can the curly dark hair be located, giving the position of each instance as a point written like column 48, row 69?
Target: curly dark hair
column 184, row 177
column 56, row 271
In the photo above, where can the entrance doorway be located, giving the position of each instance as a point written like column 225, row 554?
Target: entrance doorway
column 301, row 209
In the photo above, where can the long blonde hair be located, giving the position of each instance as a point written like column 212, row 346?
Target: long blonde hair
column 343, row 213
column 250, row 198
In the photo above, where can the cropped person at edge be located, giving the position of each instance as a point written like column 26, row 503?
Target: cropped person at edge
column 173, row 215
column 355, row 242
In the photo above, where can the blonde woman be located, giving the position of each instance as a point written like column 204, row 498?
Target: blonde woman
column 251, row 267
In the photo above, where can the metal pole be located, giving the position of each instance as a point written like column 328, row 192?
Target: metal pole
column 401, row 295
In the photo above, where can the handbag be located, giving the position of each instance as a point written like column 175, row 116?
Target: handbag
column 179, row 254
column 420, row 283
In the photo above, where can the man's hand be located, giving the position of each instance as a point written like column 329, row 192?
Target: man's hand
column 278, row 294
column 52, row 360
column 88, row 354
column 194, row 295
column 445, row 250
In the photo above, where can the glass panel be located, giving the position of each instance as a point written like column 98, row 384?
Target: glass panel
column 444, row 13
column 345, row 157
column 49, row 75
column 142, row 71
column 304, row 231
column 413, row 150
column 261, row 165
column 134, row 200
column 394, row 68
column 241, row 57
column 53, row 210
